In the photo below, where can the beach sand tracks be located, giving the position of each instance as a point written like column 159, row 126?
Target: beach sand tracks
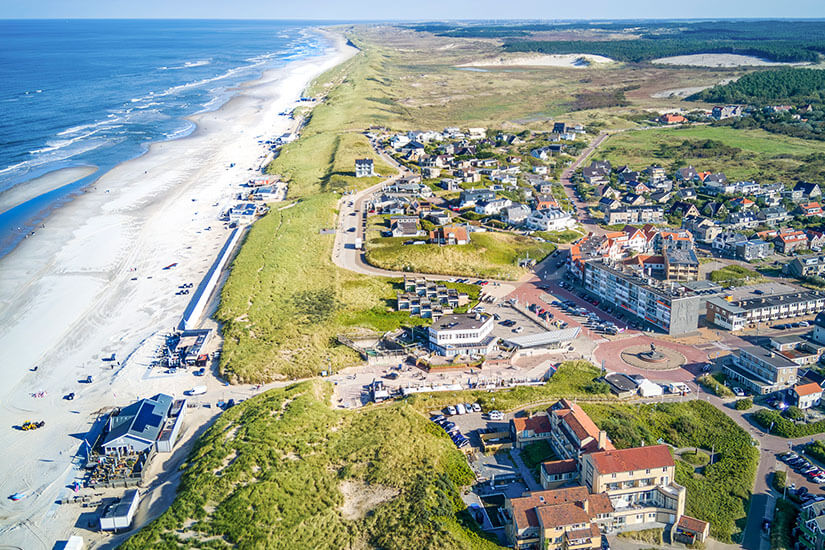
column 361, row 497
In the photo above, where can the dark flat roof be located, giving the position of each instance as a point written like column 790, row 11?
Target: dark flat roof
column 772, row 300
column 769, row 356
column 465, row 321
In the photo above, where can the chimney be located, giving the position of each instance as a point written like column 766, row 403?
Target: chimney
column 602, row 439
column 585, row 504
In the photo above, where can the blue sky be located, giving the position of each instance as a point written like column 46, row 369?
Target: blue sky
column 418, row 9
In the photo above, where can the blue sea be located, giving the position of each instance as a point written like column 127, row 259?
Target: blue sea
column 98, row 92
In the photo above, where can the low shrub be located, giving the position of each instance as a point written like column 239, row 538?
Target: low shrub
column 713, row 385
column 651, row 536
column 779, row 480
column 743, row 404
column 816, row 449
column 776, row 424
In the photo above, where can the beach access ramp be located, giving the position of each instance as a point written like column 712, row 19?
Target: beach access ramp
column 194, row 311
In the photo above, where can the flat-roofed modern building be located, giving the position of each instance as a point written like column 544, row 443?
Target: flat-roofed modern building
column 465, row 334
column 737, row 314
column 761, row 370
column 663, row 305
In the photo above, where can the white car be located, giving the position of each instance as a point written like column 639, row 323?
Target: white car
column 460, row 408
column 496, row 415
column 476, row 408
column 737, row 391
column 451, row 410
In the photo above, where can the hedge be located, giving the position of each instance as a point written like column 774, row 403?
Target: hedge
column 784, row 427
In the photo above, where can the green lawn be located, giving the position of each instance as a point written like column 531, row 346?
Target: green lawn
column 559, row 237
column 534, row 454
column 490, row 254
column 285, row 471
column 784, row 521
column 763, row 156
column 735, row 275
column 719, row 495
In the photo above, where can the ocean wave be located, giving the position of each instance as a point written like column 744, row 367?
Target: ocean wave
column 76, row 129
column 187, row 65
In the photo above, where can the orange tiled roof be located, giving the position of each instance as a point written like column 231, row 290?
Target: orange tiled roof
column 692, row 524
column 539, row 424
column 807, row 389
column 636, row 458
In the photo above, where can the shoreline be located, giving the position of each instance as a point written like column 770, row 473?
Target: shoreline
column 91, row 283
column 39, row 186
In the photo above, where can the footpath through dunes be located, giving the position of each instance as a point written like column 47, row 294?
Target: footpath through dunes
column 92, row 284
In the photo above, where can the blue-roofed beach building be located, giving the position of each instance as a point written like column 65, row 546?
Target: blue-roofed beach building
column 136, row 428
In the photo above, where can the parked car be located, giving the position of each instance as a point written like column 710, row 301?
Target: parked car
column 448, row 426
column 476, row 407
column 451, row 410
column 737, row 391
column 460, row 408
column 437, row 418
column 496, row 415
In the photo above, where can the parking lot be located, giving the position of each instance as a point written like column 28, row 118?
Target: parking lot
column 798, row 479
column 510, row 322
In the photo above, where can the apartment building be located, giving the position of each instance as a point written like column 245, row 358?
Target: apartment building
column 806, row 266
column 811, row 524
column 467, row 334
column 665, row 306
column 572, row 432
column 681, row 265
column 557, row 519
column 736, row 314
column 639, row 483
column 761, row 370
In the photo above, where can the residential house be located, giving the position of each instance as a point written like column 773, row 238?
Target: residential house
column 806, row 266
column 687, row 174
column 683, row 209
column 754, row 249
column 540, row 170
column 736, row 314
column 715, row 184
column 638, row 187
column 632, row 199
column 726, row 242
column 525, row 430
column 635, row 215
column 806, row 396
column 515, row 214
column 672, row 118
column 743, row 203
column 795, row 194
column 811, row 525
column 542, row 153
column 789, row 241
column 557, row 519
column 559, row 128
column 661, row 197
column 726, row 111
column 449, row 235
column 809, row 209
column 655, row 173
column 450, row 184
column 773, row 215
column 607, row 203
column 364, row 168
column 816, row 239
column 405, row 226
column 715, row 209
column 704, row 230
column 686, row 193
column 430, row 172
column 635, row 240
column 545, row 201
column 549, row 220
column 627, row 176
column 609, row 192
column 810, row 191
column 742, row 220
column 472, row 196
column 493, row 207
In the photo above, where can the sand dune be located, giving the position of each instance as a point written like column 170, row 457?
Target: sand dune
column 578, row 61
column 719, row 60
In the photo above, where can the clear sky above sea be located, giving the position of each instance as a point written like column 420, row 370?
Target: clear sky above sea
column 372, row 10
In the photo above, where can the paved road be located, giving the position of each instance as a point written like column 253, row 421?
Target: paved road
column 591, row 225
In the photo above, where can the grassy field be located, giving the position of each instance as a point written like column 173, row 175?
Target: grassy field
column 721, row 493
column 490, row 254
column 574, row 379
column 763, row 157
column 285, row 471
column 735, row 275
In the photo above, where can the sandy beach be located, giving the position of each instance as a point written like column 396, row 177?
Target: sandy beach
column 19, row 194
column 92, row 283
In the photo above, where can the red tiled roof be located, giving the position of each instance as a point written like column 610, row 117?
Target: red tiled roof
column 807, row 389
column 562, row 515
column 636, row 458
column 692, row 524
column 559, row 466
column 590, row 532
column 539, row 424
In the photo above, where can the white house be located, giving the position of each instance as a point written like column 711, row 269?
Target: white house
column 398, row 141
column 515, row 214
column 540, row 170
column 493, row 207
column 465, row 334
column 549, row 220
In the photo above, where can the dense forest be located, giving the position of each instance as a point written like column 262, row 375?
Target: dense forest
column 774, row 40
column 646, row 49
column 797, row 86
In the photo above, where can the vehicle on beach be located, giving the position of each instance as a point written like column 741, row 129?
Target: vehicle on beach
column 69, row 397
column 197, row 390
column 89, row 379
column 17, row 496
column 170, row 266
column 29, row 425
